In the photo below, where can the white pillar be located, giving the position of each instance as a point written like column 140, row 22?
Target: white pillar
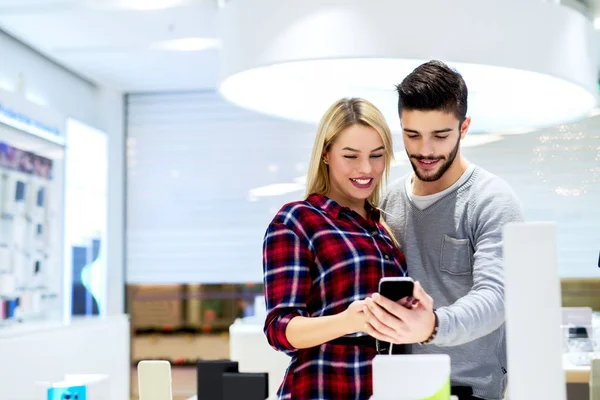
column 533, row 312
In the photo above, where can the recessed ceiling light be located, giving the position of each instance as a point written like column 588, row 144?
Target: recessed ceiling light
column 516, row 131
column 301, row 180
column 594, row 112
column 142, row 5
column 480, row 140
column 276, row 189
column 186, row 44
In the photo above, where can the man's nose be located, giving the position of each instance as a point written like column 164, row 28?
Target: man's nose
column 426, row 148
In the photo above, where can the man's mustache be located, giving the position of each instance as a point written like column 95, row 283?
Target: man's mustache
column 420, row 158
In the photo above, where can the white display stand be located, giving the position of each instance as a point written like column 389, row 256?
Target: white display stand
column 249, row 347
column 533, row 312
column 47, row 352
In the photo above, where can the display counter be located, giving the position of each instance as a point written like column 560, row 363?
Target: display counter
column 249, row 347
column 35, row 352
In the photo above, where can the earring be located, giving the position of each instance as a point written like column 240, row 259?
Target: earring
column 325, row 161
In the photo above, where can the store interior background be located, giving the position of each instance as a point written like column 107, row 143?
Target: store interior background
column 192, row 182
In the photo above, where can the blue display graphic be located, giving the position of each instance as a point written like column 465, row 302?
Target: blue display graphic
column 67, row 393
column 86, row 295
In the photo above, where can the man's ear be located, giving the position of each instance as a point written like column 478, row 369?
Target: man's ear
column 464, row 127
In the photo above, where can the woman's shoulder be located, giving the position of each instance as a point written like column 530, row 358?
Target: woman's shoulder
column 296, row 211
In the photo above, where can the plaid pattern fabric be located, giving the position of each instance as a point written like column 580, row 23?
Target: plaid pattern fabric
column 318, row 258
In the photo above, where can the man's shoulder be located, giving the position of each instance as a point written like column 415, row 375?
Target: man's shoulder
column 487, row 187
column 490, row 194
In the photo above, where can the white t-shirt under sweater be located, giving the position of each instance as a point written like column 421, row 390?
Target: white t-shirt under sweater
column 422, row 202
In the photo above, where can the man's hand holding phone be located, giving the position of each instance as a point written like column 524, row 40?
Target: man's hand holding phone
column 404, row 321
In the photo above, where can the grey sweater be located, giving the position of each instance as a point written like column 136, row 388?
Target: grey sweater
column 454, row 248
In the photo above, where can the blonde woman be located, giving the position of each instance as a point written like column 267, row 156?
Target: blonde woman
column 323, row 256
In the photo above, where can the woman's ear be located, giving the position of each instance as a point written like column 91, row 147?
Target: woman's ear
column 325, row 158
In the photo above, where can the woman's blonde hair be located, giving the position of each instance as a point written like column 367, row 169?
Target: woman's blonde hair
column 343, row 114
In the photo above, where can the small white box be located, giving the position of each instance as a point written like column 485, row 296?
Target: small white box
column 411, row 377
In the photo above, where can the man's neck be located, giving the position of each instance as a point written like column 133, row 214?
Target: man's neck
column 453, row 174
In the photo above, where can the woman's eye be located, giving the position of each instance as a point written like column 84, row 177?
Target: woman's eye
column 377, row 155
column 349, row 156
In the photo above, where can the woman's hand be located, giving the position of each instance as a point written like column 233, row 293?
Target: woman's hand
column 354, row 318
column 411, row 322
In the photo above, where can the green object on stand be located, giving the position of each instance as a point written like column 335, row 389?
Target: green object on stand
column 442, row 394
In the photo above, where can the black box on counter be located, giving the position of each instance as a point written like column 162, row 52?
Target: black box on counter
column 247, row 386
column 210, row 377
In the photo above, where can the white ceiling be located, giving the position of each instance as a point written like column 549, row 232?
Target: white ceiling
column 114, row 41
column 111, row 41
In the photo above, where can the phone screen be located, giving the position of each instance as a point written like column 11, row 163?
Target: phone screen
column 396, row 289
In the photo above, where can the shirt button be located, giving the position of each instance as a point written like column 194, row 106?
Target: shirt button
column 386, row 257
column 374, row 233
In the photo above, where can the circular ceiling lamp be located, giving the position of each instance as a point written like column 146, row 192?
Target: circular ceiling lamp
column 527, row 64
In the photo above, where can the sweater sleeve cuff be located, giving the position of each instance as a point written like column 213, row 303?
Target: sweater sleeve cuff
column 443, row 332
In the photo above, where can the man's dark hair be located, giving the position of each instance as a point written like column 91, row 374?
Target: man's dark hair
column 433, row 86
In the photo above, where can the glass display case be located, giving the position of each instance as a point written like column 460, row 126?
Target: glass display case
column 53, row 215
column 31, row 226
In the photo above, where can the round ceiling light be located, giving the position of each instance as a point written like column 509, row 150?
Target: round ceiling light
column 527, row 64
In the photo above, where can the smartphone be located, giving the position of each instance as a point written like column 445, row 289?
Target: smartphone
column 154, row 380
column 396, row 288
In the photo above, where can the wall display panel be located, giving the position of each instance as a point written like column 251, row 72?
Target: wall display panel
column 204, row 179
column 31, row 195
column 86, row 197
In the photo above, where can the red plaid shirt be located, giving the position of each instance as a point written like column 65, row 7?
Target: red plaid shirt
column 318, row 258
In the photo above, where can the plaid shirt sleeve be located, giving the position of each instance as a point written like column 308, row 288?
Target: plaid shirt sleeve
column 286, row 267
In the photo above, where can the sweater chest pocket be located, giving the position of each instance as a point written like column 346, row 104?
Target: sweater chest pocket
column 456, row 258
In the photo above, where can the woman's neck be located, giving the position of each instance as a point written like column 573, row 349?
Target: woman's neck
column 356, row 205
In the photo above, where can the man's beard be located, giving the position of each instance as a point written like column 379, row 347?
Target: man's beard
column 443, row 168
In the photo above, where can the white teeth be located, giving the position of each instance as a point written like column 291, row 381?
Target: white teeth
column 362, row 181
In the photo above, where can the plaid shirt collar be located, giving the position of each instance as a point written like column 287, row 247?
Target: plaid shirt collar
column 334, row 209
